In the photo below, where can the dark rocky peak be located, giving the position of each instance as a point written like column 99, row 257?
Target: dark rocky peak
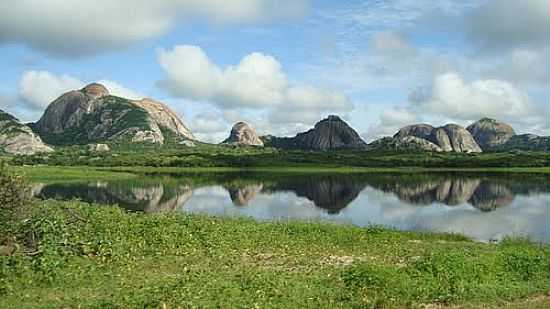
column 329, row 134
column 490, row 133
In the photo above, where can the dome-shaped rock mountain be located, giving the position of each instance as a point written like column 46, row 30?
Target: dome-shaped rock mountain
column 449, row 138
column 243, row 134
column 491, row 133
column 331, row 133
column 92, row 115
column 17, row 138
column 96, row 90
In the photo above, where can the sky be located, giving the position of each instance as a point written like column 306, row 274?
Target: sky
column 283, row 65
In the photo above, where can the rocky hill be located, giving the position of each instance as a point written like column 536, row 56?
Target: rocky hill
column 448, row 138
column 331, row 133
column 243, row 134
column 92, row 114
column 17, row 138
column 491, row 133
column 525, row 142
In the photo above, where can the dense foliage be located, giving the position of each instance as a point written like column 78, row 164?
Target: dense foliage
column 14, row 195
column 174, row 155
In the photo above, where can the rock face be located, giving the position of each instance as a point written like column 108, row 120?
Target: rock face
column 99, row 148
column 449, row 138
column 243, row 134
column 92, row 114
column 490, row 133
column 17, row 138
column 331, row 133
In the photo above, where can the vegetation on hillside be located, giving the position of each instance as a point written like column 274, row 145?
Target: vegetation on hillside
column 174, row 155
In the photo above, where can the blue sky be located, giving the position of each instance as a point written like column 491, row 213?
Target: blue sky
column 283, row 65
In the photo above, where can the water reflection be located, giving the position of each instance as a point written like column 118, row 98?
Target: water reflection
column 241, row 196
column 442, row 202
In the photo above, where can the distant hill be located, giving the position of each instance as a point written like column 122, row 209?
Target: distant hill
column 484, row 135
column 331, row 133
column 17, row 138
column 92, row 114
column 243, row 135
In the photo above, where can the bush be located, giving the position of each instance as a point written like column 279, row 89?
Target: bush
column 14, row 198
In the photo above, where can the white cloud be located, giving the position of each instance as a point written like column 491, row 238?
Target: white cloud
column 510, row 23
column 453, row 99
column 451, row 96
column 209, row 126
column 37, row 89
column 390, row 121
column 256, row 82
column 40, row 88
column 80, row 27
column 121, row 91
column 523, row 66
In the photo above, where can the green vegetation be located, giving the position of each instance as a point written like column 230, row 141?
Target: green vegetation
column 174, row 155
column 47, row 174
column 69, row 254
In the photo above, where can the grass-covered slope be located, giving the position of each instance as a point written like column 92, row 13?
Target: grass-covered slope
column 70, row 254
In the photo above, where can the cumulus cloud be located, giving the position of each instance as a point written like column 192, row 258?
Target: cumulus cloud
column 510, row 23
column 81, row 27
column 209, row 126
column 40, row 88
column 391, row 120
column 119, row 90
column 256, row 82
column 37, row 89
column 523, row 66
column 453, row 97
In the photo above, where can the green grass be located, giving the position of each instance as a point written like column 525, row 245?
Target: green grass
column 49, row 174
column 104, row 257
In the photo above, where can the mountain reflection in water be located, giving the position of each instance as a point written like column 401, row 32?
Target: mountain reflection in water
column 442, row 202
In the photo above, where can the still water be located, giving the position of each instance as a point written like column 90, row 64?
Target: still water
column 484, row 207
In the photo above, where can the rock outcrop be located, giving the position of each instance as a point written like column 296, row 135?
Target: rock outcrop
column 331, row 133
column 449, row 138
column 490, row 133
column 99, row 148
column 243, row 134
column 407, row 143
column 17, row 138
column 92, row 114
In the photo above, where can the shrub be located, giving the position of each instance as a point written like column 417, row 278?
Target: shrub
column 14, row 195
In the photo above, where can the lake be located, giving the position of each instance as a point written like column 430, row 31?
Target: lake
column 485, row 207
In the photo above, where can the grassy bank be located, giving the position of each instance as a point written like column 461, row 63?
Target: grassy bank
column 52, row 174
column 70, row 254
